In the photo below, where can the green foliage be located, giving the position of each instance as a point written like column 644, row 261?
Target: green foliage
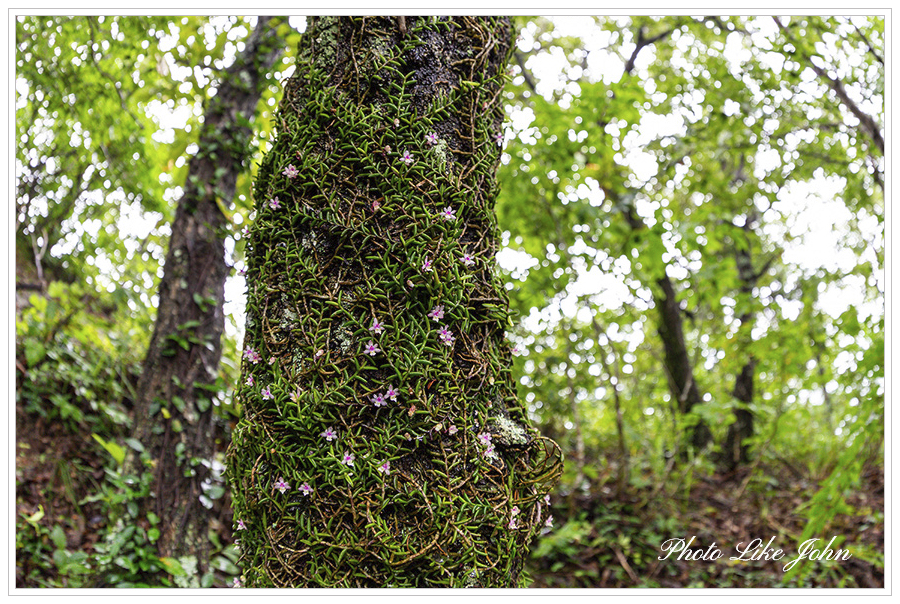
column 569, row 198
column 735, row 128
column 734, row 125
column 40, row 549
column 75, row 367
column 126, row 557
column 98, row 98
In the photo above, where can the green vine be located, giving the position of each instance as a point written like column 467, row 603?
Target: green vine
column 382, row 443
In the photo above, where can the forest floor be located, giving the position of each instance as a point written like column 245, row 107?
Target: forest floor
column 602, row 539
column 615, row 540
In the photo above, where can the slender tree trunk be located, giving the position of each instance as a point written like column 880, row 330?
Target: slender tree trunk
column 734, row 450
column 173, row 411
column 382, row 443
column 678, row 364
column 576, row 419
column 625, row 462
column 676, row 360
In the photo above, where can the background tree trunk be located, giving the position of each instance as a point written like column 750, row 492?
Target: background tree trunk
column 382, row 443
column 173, row 411
column 677, row 362
column 679, row 368
column 734, row 450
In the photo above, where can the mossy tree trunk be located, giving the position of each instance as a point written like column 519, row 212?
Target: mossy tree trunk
column 382, row 443
column 173, row 414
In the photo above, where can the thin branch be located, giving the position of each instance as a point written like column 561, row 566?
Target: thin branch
column 872, row 50
column 528, row 79
column 641, row 43
column 867, row 122
column 865, row 119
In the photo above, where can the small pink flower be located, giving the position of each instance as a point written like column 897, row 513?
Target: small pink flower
column 445, row 335
column 266, row 393
column 387, row 149
column 241, row 526
column 305, row 489
column 452, row 430
column 407, row 157
column 274, row 203
column 513, row 525
column 517, row 350
column 319, row 353
column 348, row 459
column 236, row 582
column 448, row 213
column 489, row 452
column 295, row 395
column 375, row 205
column 252, row 356
column 549, row 522
column 371, row 349
column 514, row 511
column 378, row 400
column 291, row 171
column 245, row 232
column 385, row 468
column 499, row 138
column 467, row 259
column 391, row 393
column 377, row 327
column 432, row 138
column 485, row 438
column 271, row 360
column 242, row 271
column 437, row 313
column 329, row 434
column 281, row 485
column 249, row 380
column 426, row 266
column 547, row 498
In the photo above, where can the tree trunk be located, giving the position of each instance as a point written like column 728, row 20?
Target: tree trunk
column 679, row 368
column 676, row 360
column 381, row 442
column 173, row 411
column 734, row 450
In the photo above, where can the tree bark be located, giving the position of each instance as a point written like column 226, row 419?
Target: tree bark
column 734, row 450
column 679, row 368
column 382, row 443
column 173, row 416
column 676, row 360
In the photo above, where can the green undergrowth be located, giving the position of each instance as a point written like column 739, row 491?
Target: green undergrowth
column 78, row 511
column 604, row 538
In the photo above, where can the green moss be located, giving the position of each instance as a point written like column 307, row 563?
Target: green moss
column 347, row 246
